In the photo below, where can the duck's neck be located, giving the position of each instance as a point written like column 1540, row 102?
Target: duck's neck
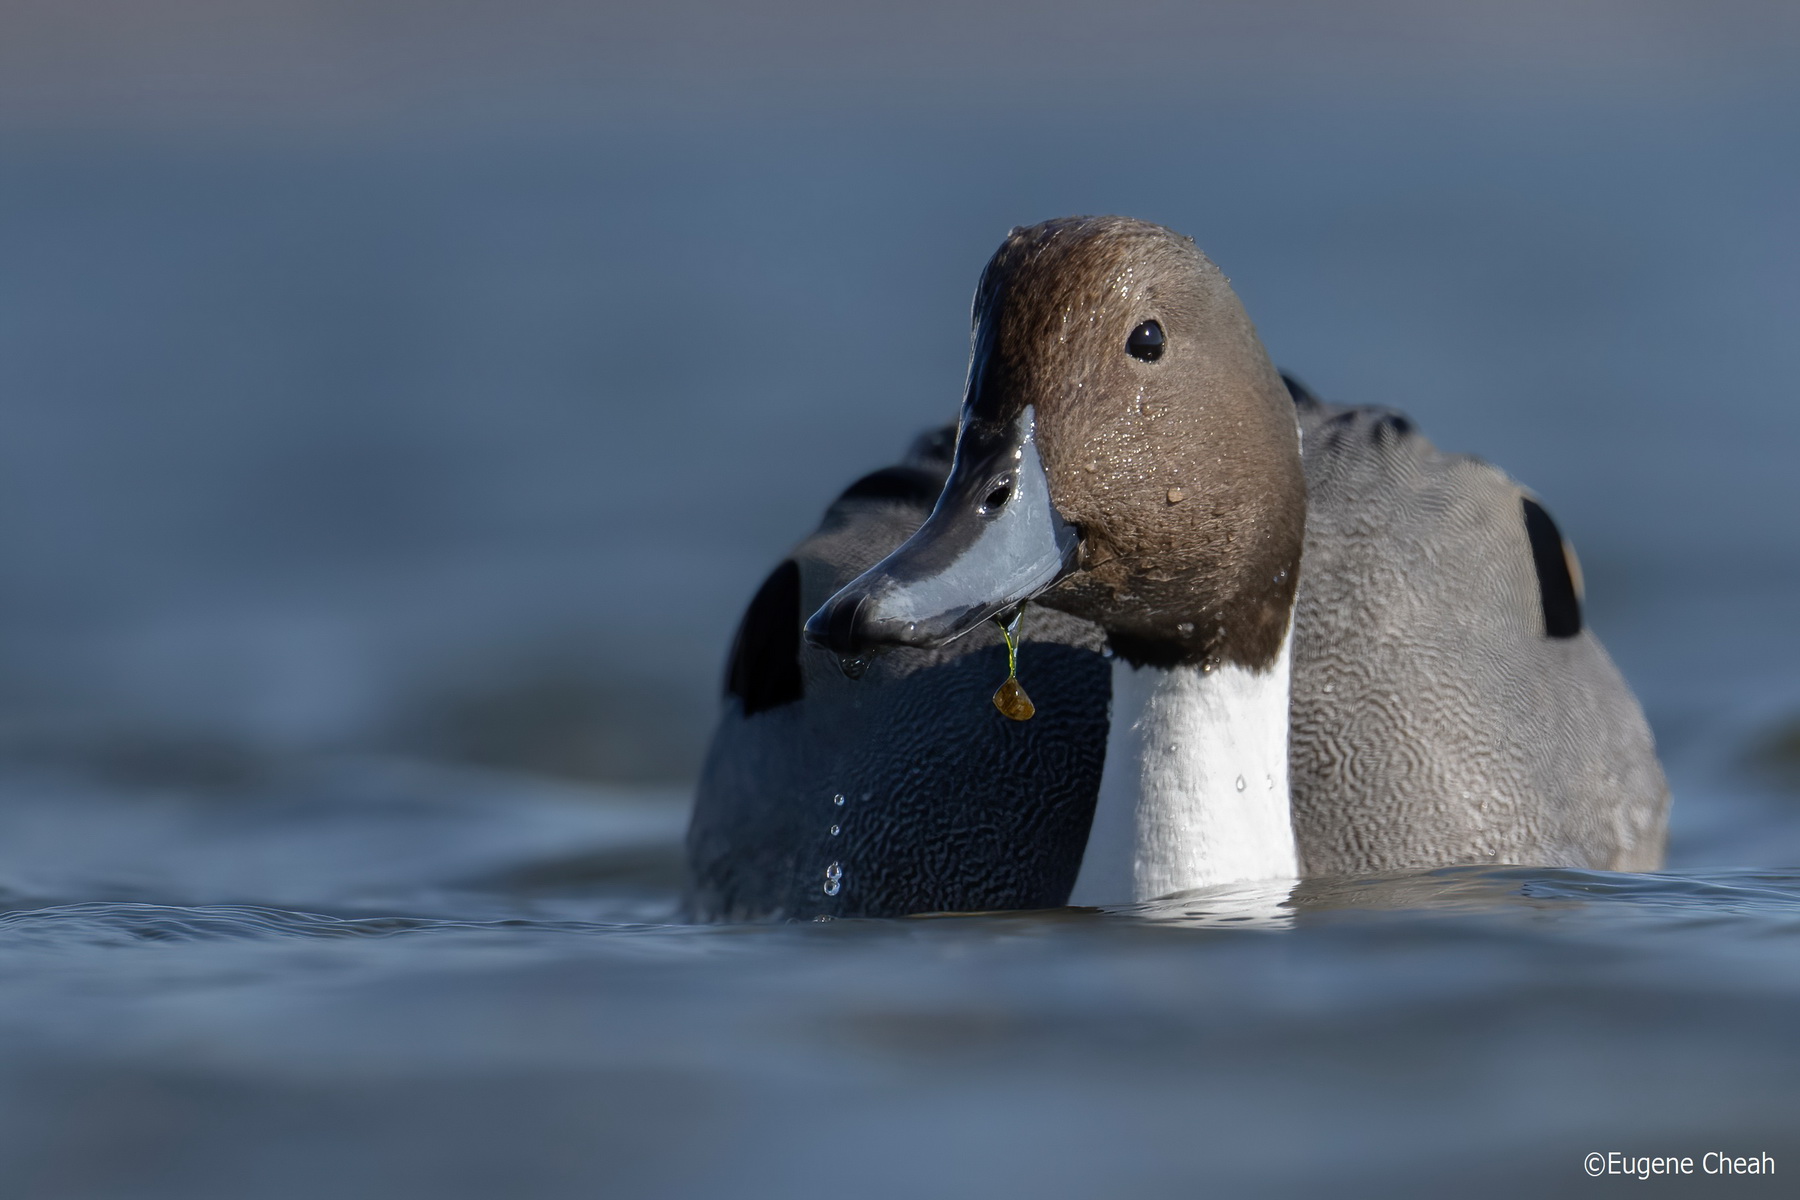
column 1195, row 787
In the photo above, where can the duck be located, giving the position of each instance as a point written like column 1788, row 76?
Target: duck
column 1326, row 647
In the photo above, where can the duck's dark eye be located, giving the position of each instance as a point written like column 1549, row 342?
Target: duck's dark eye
column 1146, row 342
column 1000, row 494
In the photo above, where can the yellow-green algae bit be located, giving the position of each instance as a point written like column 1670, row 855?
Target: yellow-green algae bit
column 1011, row 699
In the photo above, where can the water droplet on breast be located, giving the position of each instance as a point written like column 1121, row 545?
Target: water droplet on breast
column 1240, row 783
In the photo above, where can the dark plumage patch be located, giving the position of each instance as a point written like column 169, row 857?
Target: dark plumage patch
column 1302, row 395
column 935, row 445
column 1337, row 429
column 909, row 485
column 765, row 656
column 1556, row 586
column 1391, row 422
column 1161, row 653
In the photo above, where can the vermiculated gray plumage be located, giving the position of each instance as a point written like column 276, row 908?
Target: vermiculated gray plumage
column 1434, row 718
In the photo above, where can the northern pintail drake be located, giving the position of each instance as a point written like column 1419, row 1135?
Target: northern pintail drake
column 1333, row 649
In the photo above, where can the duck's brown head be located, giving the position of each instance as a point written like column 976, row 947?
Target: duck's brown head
column 1127, row 453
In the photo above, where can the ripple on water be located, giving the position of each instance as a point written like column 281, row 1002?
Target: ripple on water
column 133, row 924
column 1383, row 1021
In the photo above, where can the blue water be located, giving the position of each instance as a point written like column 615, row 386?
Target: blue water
column 377, row 509
column 201, row 1003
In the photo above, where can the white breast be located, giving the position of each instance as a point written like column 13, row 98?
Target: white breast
column 1195, row 788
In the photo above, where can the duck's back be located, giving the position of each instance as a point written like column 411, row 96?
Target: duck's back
column 1449, row 703
column 903, row 790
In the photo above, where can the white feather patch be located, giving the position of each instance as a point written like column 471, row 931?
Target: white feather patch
column 1195, row 788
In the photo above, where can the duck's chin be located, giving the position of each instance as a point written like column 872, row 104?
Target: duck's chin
column 1102, row 596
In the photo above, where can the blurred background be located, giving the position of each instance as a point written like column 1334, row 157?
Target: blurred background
column 400, row 400
column 440, row 378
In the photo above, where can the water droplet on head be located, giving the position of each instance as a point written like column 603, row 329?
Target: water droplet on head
column 1240, row 783
column 853, row 665
column 1185, row 629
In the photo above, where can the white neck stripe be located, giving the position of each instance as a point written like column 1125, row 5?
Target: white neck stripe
column 1195, row 788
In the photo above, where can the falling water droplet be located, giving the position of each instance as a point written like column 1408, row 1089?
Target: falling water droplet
column 836, row 829
column 834, row 879
column 838, row 799
column 1240, row 783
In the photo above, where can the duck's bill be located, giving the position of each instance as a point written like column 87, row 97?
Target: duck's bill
column 994, row 541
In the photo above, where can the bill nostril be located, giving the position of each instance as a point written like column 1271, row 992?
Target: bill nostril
column 1001, row 493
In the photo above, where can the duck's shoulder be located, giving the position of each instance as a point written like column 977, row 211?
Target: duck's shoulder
column 1363, row 455
column 1369, row 445
column 1377, row 485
